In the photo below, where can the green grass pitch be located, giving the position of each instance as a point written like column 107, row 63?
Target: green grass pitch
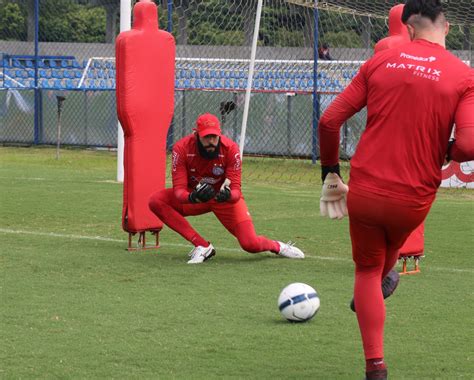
column 76, row 304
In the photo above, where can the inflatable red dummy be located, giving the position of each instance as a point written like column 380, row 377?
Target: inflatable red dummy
column 397, row 31
column 398, row 35
column 145, row 60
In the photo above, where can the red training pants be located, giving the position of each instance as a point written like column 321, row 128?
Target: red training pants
column 378, row 226
column 233, row 216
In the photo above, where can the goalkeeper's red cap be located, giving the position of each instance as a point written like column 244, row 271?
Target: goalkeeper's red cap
column 208, row 124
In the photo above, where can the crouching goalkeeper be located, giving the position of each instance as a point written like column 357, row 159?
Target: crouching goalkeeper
column 206, row 174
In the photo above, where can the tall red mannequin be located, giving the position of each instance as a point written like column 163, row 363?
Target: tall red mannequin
column 398, row 35
column 145, row 60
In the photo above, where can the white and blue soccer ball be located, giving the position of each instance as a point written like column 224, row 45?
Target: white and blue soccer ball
column 298, row 302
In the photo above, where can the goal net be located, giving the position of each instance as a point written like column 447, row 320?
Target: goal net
column 290, row 89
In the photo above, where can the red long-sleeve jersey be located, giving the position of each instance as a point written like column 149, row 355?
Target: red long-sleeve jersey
column 189, row 168
column 414, row 94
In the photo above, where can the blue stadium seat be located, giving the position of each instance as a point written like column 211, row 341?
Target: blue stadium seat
column 78, row 73
column 29, row 63
column 7, row 83
column 57, row 83
column 187, row 83
column 52, row 63
column 64, row 63
column 42, row 73
column 76, row 64
column 207, row 84
column 197, row 83
column 16, row 63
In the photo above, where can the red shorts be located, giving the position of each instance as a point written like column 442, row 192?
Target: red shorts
column 379, row 225
column 229, row 214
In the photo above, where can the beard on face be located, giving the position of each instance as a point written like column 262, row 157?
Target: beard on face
column 210, row 151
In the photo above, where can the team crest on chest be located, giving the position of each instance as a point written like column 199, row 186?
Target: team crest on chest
column 217, row 170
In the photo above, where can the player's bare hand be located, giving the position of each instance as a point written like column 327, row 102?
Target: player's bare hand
column 333, row 197
column 203, row 192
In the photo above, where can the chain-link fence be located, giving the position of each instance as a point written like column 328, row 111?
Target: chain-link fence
column 73, row 58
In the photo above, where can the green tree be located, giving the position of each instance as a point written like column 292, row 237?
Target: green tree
column 87, row 24
column 68, row 21
column 12, row 22
column 215, row 22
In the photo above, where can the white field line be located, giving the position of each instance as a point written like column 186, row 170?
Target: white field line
column 100, row 238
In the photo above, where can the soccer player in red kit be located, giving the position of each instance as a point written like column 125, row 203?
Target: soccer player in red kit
column 206, row 173
column 414, row 93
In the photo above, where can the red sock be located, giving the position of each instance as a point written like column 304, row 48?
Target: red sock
column 374, row 364
column 197, row 240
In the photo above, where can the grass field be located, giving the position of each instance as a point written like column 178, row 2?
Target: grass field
column 76, row 304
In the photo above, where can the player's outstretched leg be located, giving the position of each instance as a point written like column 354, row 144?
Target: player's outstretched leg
column 200, row 254
column 250, row 242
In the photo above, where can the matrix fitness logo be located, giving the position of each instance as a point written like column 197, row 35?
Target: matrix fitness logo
column 418, row 70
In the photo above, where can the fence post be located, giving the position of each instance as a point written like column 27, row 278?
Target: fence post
column 169, row 29
column 86, row 118
column 315, row 82
column 37, row 118
column 289, row 98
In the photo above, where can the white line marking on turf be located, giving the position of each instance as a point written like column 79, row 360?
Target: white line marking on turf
column 100, row 238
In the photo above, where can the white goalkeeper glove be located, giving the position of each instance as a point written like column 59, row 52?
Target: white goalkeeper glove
column 333, row 197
